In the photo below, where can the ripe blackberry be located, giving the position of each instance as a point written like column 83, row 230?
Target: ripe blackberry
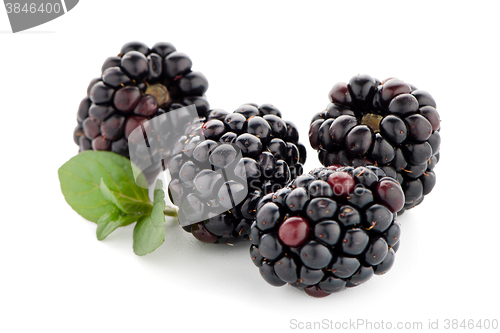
column 389, row 124
column 224, row 165
column 135, row 86
column 330, row 229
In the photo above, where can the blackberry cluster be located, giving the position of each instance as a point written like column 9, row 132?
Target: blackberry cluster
column 330, row 229
column 135, row 86
column 270, row 156
column 389, row 124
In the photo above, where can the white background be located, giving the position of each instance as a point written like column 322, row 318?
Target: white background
column 56, row 277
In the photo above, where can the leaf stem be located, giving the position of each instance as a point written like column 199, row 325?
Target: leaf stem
column 170, row 211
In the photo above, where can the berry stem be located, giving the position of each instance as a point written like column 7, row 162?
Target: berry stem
column 170, row 211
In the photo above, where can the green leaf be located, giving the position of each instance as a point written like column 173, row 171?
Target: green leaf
column 110, row 196
column 81, row 178
column 123, row 202
column 149, row 232
column 109, row 222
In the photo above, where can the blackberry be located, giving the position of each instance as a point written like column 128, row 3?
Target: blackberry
column 390, row 124
column 327, row 230
column 225, row 163
column 135, row 86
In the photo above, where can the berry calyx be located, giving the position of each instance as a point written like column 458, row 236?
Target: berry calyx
column 159, row 91
column 373, row 121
